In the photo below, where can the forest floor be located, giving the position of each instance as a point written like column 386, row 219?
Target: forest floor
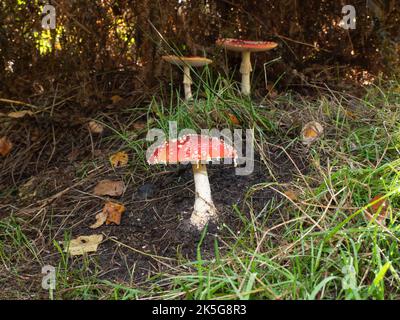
column 295, row 228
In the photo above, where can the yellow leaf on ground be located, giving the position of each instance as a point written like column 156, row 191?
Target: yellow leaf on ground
column 95, row 127
column 111, row 213
column 311, row 132
column 350, row 114
column 109, row 188
column 5, row 146
column 19, row 114
column 83, row 244
column 114, row 212
column 115, row 99
column 119, row 159
column 291, row 194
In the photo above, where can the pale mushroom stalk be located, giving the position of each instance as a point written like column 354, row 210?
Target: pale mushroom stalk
column 245, row 70
column 187, row 83
column 187, row 63
column 245, row 47
column 204, row 209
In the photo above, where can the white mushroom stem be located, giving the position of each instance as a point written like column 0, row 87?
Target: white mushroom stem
column 204, row 209
column 187, row 83
column 245, row 70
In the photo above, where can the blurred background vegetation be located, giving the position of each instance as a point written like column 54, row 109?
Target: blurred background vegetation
column 101, row 46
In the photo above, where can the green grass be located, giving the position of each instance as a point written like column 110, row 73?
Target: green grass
column 321, row 247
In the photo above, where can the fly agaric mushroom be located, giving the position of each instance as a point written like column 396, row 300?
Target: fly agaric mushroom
column 246, row 47
column 198, row 150
column 186, row 63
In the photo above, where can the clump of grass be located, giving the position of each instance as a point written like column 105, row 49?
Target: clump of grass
column 313, row 254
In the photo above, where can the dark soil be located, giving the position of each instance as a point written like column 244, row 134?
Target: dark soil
column 158, row 224
column 158, row 205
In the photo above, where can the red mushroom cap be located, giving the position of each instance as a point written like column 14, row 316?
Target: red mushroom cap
column 246, row 45
column 192, row 148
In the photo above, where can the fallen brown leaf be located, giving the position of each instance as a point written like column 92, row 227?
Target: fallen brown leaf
column 378, row 209
column 291, row 194
column 100, row 219
column 119, row 159
column 311, row 132
column 83, row 244
column 233, row 119
column 19, row 114
column 139, row 125
column 5, row 146
column 35, row 134
column 37, row 87
column 73, row 155
column 271, row 91
column 29, row 189
column 350, row 114
column 115, row 99
column 114, row 212
column 111, row 213
column 109, row 188
column 95, row 127
column 97, row 152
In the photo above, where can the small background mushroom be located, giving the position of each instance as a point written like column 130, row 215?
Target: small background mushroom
column 246, row 47
column 186, row 63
